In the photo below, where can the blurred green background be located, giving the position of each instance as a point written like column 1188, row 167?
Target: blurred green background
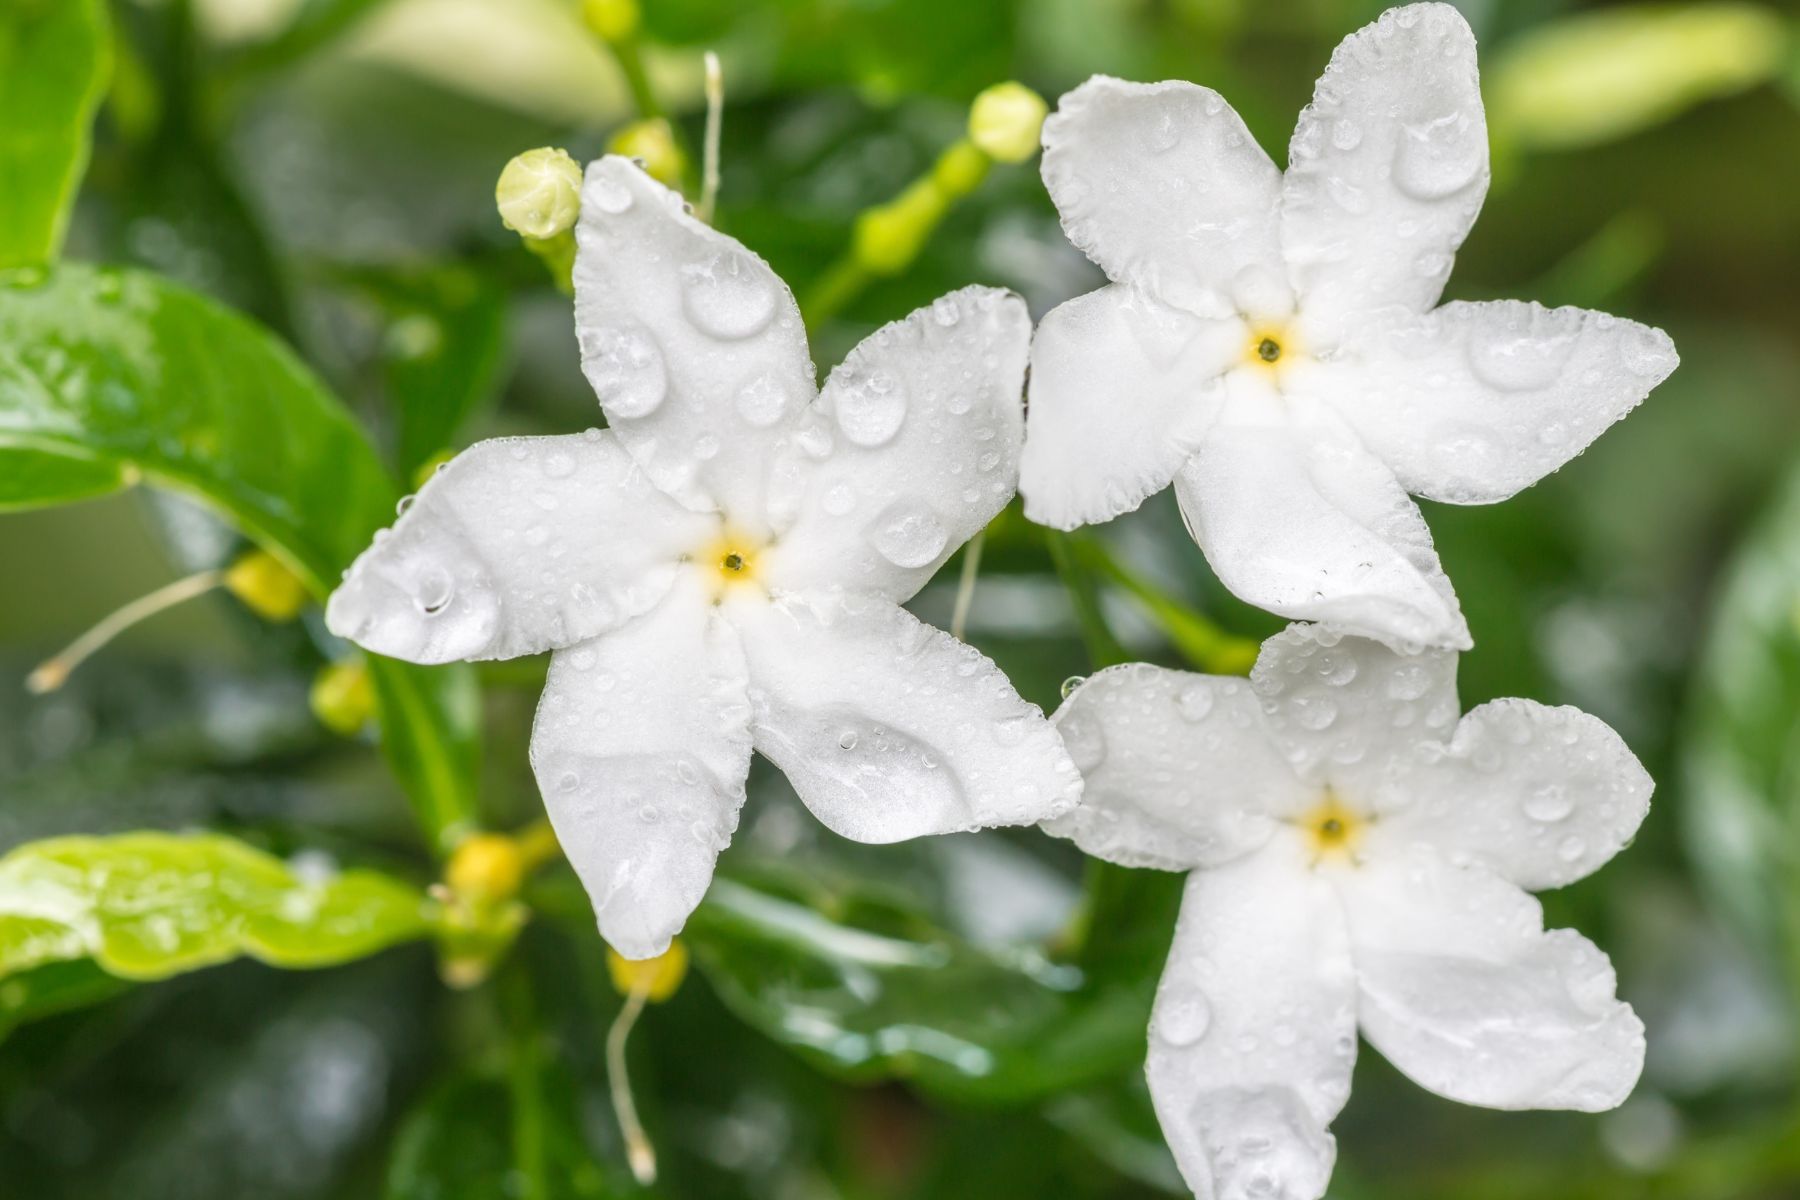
column 327, row 167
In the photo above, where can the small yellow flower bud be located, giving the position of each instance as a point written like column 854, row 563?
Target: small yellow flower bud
column 1005, row 121
column 658, row 977
column 961, row 168
column 613, row 20
column 486, row 867
column 266, row 587
column 652, row 142
column 539, row 193
column 343, row 697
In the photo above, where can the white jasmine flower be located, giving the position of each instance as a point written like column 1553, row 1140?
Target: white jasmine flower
column 1359, row 858
column 722, row 569
column 1269, row 341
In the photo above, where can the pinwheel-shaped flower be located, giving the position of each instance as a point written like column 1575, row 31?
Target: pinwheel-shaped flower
column 1359, row 859
column 721, row 570
column 1269, row 341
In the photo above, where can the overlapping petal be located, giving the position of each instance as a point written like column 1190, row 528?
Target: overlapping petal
column 1540, row 796
column 1462, row 989
column 889, row 729
column 1180, row 769
column 1473, row 402
column 517, row 546
column 1348, row 712
column 1297, row 518
column 1387, row 169
column 1123, row 389
column 694, row 346
column 641, row 747
column 912, row 448
column 1163, row 186
column 1253, row 1035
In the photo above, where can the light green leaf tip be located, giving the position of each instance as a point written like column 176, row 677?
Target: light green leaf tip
column 54, row 61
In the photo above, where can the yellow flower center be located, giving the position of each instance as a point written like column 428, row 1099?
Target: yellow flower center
column 730, row 560
column 1332, row 829
column 1269, row 346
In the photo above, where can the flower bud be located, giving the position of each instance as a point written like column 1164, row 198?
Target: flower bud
column 889, row 237
column 652, row 142
column 1005, row 121
column 961, row 168
column 266, row 587
column 658, row 977
column 539, row 193
column 486, row 867
column 612, row 20
column 343, row 697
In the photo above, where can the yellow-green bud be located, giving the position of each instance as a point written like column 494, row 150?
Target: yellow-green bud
column 1005, row 121
column 539, row 193
column 486, row 867
column 961, row 168
column 343, row 697
column 652, row 142
column 266, row 587
column 613, row 20
column 657, row 977
column 888, row 238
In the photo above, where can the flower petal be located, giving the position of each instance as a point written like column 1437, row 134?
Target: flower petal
column 693, row 344
column 641, row 747
column 1348, row 712
column 1123, row 388
column 1297, row 518
column 1473, row 402
column 1540, row 796
column 1163, row 186
column 912, row 448
column 517, row 546
column 1254, row 1031
column 890, row 729
column 1179, row 770
column 1387, row 168
column 1463, row 990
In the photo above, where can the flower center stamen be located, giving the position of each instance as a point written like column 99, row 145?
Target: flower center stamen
column 1332, row 829
column 730, row 560
column 1268, row 349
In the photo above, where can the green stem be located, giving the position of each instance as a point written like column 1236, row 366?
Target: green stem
column 1199, row 639
column 529, row 1141
column 631, row 62
column 1103, row 648
column 841, row 283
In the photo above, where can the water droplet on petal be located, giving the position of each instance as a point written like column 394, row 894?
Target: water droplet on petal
column 1516, row 360
column 870, row 408
column 608, row 195
column 1071, row 683
column 625, row 367
column 1570, row 849
column 908, row 534
column 1183, row 1017
column 728, row 295
column 1549, row 802
column 945, row 311
column 763, row 401
column 1437, row 158
column 1195, row 703
column 559, row 464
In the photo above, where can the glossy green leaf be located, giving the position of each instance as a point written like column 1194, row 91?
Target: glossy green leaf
column 31, row 479
column 867, row 991
column 442, row 353
column 1741, row 752
column 120, row 371
column 53, row 61
column 52, row 988
column 151, row 905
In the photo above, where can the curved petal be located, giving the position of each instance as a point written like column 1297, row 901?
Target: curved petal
column 694, row 346
column 1347, row 710
column 1471, row 403
column 641, row 747
column 1163, row 186
column 1463, row 990
column 517, row 546
column 913, row 447
column 1254, row 1031
column 889, row 729
column 1540, row 796
column 1123, row 388
column 1178, row 769
column 1296, row 518
column 1387, row 169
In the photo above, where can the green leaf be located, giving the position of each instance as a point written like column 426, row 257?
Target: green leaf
column 1741, row 750
column 152, row 905
column 53, row 65
column 867, row 991
column 121, row 372
column 53, row 988
column 442, row 354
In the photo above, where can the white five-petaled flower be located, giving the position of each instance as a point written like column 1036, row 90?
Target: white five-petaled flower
column 1269, row 341
column 1359, row 859
column 722, row 569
